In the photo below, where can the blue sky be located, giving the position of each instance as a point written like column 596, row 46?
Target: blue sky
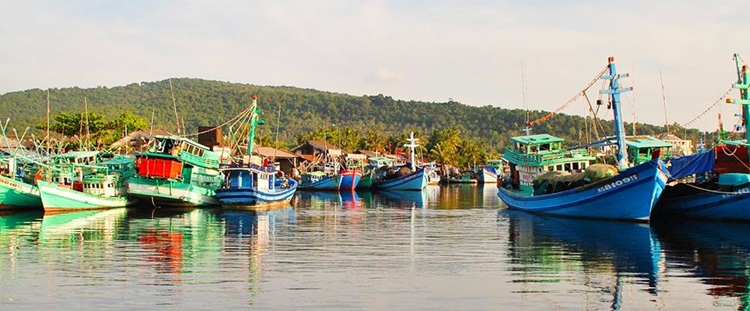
column 470, row 51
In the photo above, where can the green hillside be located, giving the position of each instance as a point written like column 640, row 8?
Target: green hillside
column 305, row 113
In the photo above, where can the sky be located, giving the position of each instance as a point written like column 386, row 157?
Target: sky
column 479, row 53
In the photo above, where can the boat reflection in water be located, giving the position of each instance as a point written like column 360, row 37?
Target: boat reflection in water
column 64, row 229
column 403, row 199
column 177, row 240
column 715, row 253
column 607, row 257
column 327, row 199
column 250, row 235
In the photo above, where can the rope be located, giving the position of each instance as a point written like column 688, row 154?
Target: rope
column 574, row 98
column 218, row 126
column 709, row 108
column 710, row 190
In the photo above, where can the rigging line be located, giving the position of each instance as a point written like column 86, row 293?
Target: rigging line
column 709, row 108
column 664, row 100
column 174, row 105
column 594, row 120
column 572, row 99
column 218, row 126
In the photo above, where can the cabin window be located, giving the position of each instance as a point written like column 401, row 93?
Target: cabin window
column 549, row 168
column 544, row 147
column 559, row 167
column 576, row 166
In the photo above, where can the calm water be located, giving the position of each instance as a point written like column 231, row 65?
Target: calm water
column 451, row 248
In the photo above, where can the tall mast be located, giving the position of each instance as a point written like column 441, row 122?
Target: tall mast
column 742, row 85
column 412, row 145
column 254, row 114
column 614, row 91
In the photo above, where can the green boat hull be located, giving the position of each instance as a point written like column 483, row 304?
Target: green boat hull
column 366, row 181
column 16, row 194
column 170, row 193
column 59, row 199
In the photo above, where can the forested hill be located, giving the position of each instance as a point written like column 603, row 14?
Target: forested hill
column 207, row 103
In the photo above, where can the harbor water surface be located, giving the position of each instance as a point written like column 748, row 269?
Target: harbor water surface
column 445, row 248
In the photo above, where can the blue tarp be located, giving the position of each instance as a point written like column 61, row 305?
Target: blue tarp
column 692, row 164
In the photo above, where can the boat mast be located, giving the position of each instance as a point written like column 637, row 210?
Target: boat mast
column 255, row 113
column 412, row 145
column 742, row 85
column 614, row 91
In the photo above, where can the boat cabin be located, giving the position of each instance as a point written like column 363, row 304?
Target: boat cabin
column 534, row 155
column 645, row 148
column 249, row 176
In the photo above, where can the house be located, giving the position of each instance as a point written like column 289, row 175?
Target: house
column 682, row 147
column 318, row 149
column 287, row 161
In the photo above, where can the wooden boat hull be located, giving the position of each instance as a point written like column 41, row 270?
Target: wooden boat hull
column 170, row 193
column 414, row 181
column 327, row 183
column 17, row 194
column 631, row 195
column 58, row 199
column 248, row 197
column 706, row 205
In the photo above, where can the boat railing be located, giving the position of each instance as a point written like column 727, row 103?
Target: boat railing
column 516, row 157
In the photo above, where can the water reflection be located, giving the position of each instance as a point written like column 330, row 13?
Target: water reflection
column 64, row 229
column 717, row 254
column 403, row 199
column 608, row 255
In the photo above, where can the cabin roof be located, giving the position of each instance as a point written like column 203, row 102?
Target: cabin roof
column 537, row 139
column 646, row 142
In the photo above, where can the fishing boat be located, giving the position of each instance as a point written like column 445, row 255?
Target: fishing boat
column 251, row 185
column 343, row 180
column 722, row 193
column 176, row 172
column 373, row 164
column 628, row 193
column 403, row 178
column 99, row 186
column 488, row 174
column 18, row 188
column 465, row 177
column 433, row 177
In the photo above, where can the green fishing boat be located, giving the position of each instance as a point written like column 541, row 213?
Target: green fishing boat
column 176, row 172
column 98, row 186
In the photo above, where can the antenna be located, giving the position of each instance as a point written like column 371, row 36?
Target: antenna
column 664, row 100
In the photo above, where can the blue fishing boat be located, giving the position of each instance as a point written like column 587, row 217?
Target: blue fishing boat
column 250, row 185
column 625, row 194
column 722, row 195
column 344, row 180
column 404, row 178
